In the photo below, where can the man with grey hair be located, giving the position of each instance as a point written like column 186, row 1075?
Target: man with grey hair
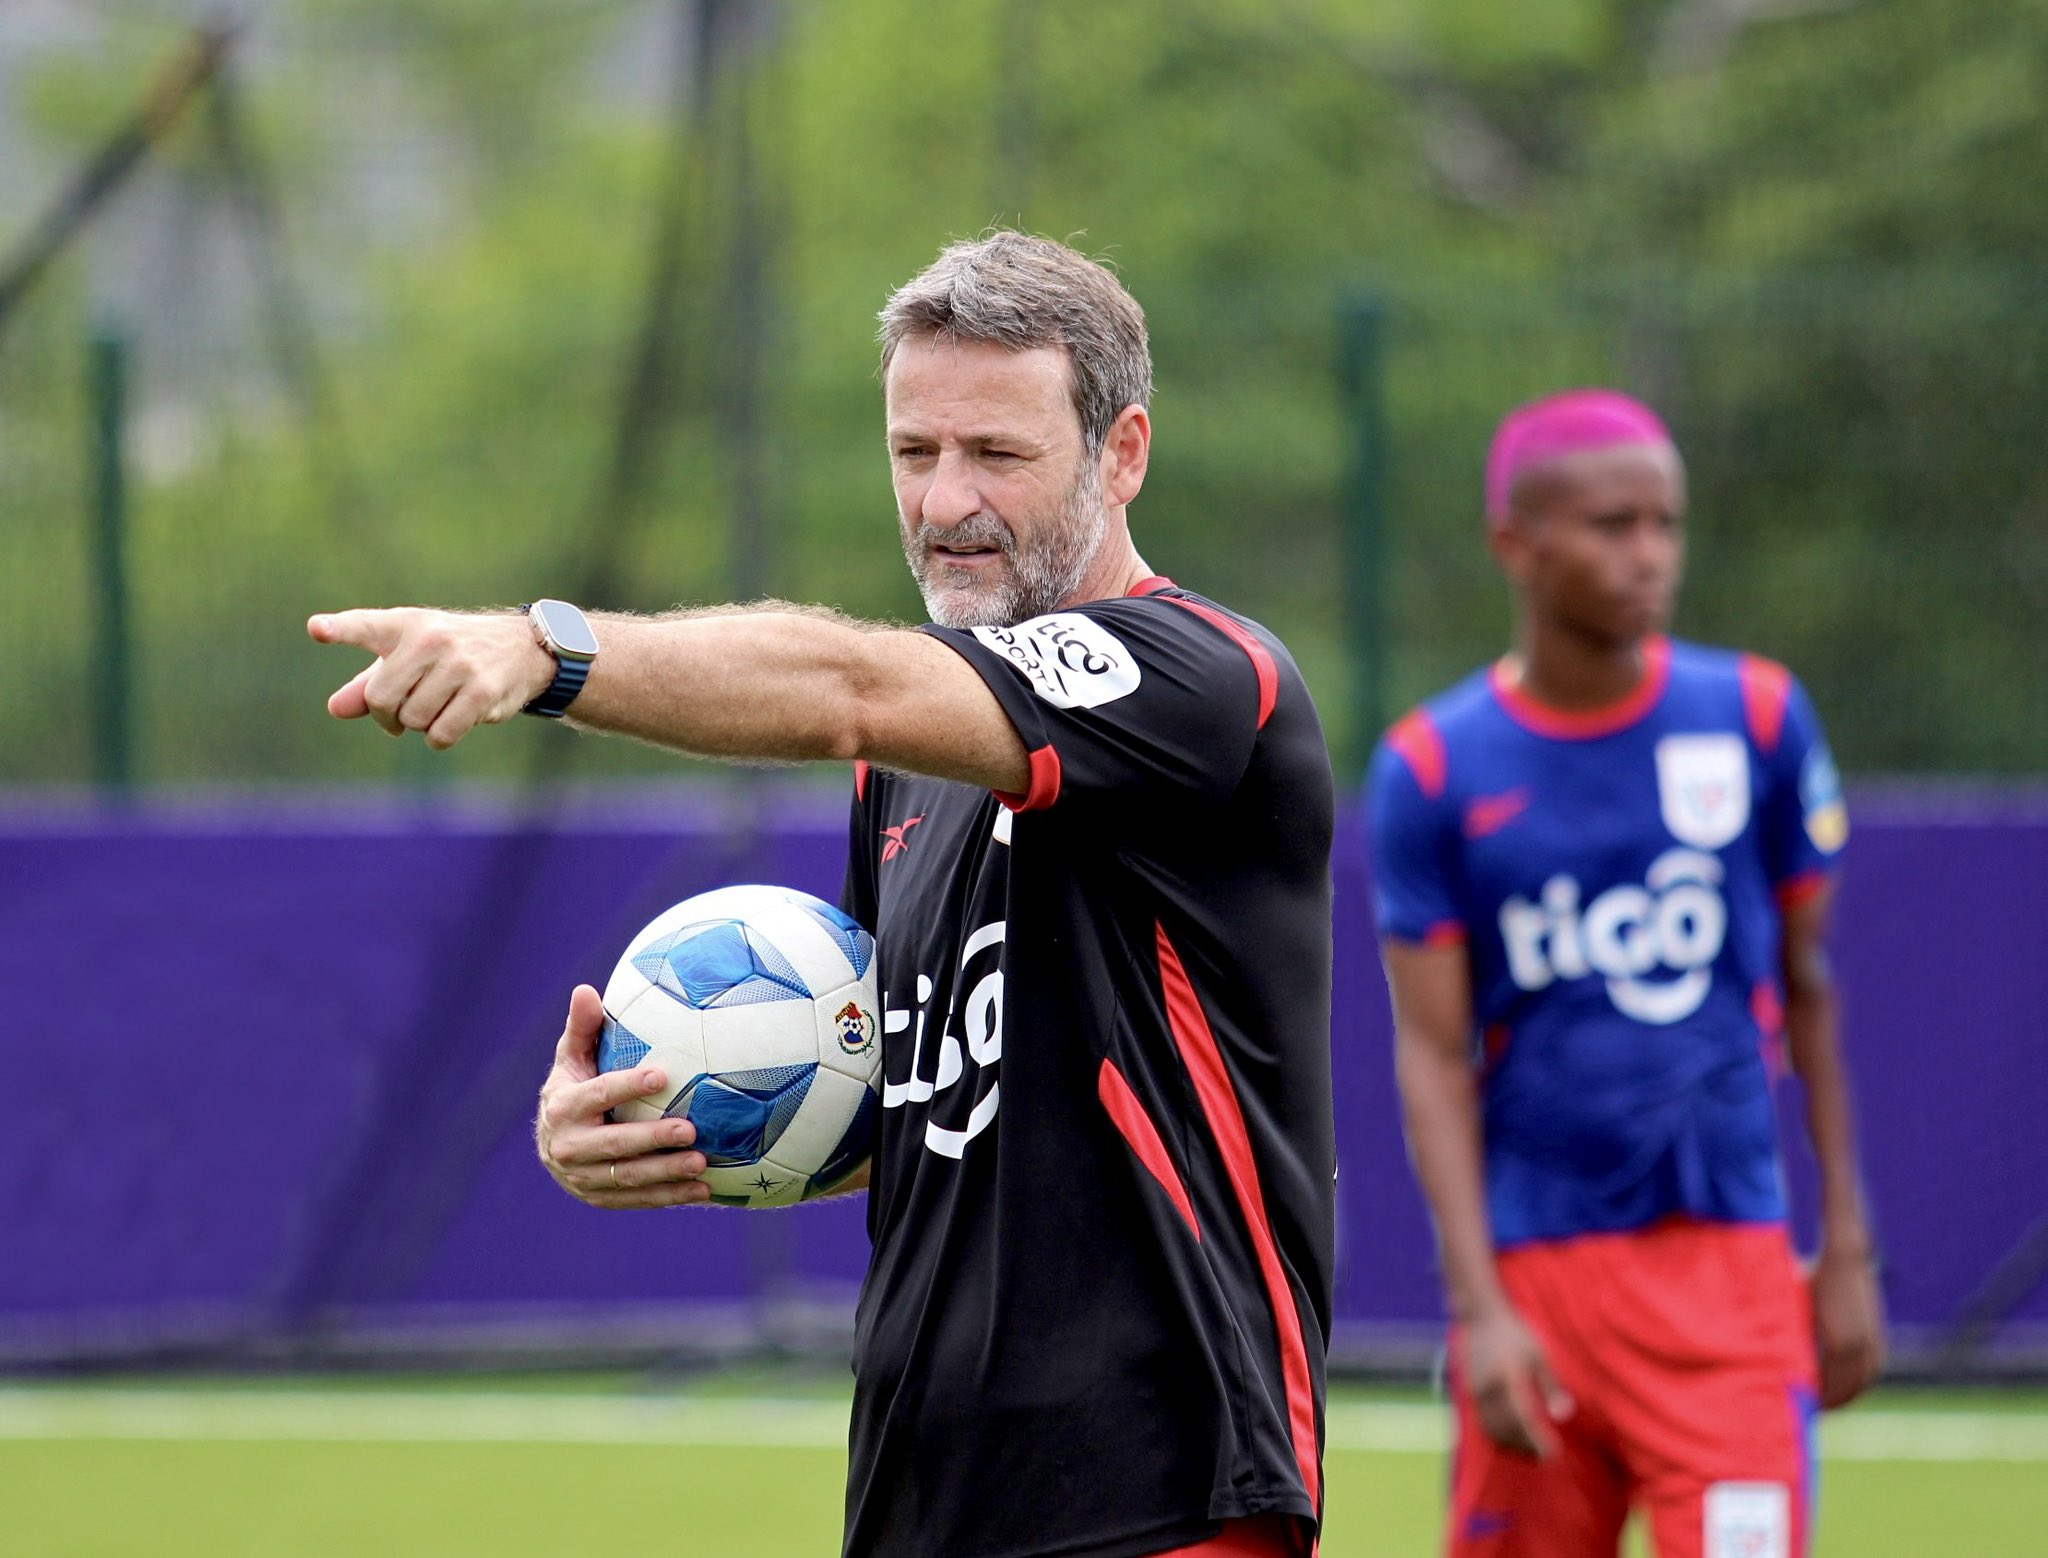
column 1091, row 833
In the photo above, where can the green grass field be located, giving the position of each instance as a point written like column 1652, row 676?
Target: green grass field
column 749, row 1466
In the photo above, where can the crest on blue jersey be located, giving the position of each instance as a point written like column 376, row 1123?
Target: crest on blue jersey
column 1703, row 787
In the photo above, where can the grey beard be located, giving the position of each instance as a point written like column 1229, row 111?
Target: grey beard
column 1036, row 580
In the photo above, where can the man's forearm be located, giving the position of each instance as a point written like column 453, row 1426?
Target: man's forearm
column 1440, row 1107
column 776, row 684
column 793, row 684
column 1815, row 1050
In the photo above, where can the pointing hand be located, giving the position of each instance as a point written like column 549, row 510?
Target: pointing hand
column 439, row 672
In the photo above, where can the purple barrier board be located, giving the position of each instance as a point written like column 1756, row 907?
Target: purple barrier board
column 271, row 1067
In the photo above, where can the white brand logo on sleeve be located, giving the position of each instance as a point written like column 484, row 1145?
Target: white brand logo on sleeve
column 1703, row 784
column 1748, row 1520
column 1071, row 661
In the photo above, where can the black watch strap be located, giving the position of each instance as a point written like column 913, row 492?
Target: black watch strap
column 561, row 692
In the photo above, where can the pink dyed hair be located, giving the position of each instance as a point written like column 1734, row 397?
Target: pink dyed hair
column 1557, row 425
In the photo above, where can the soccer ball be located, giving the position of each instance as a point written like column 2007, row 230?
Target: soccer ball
column 759, row 1004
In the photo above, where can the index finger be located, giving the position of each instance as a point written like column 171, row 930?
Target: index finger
column 374, row 630
column 1531, row 1420
column 588, row 1102
column 1508, row 1411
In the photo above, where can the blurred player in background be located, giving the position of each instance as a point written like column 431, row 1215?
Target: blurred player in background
column 1603, row 868
column 1091, row 834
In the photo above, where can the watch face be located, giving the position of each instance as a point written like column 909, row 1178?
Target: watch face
column 566, row 628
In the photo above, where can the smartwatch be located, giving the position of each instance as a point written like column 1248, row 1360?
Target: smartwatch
column 564, row 632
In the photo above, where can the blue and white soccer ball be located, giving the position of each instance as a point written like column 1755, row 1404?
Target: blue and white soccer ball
column 759, row 1005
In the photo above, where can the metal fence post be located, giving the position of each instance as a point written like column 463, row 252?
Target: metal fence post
column 1361, row 378
column 113, row 670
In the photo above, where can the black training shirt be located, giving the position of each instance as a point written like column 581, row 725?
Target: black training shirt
column 1101, row 1197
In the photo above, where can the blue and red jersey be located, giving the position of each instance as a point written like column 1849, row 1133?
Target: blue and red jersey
column 1617, row 878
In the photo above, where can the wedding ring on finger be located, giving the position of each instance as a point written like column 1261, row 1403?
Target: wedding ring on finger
column 615, row 1178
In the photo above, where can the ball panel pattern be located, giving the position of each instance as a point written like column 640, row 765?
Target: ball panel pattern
column 720, row 963
column 741, row 1115
column 853, row 1149
column 846, row 934
column 767, row 1025
column 618, row 1048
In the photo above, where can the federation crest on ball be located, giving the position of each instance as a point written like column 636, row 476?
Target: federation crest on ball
column 758, row 1003
column 856, row 1028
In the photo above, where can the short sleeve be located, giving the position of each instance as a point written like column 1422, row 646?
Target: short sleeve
column 1121, row 700
column 1412, row 871
column 1804, row 820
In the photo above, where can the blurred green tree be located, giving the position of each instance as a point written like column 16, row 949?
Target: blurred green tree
column 1800, row 227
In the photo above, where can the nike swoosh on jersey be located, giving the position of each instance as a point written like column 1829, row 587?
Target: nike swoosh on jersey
column 1490, row 813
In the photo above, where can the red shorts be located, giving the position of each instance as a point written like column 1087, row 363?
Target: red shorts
column 1687, row 1349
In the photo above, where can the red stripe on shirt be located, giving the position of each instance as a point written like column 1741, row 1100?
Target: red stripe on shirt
column 860, row 779
column 1204, row 1062
column 1766, row 687
column 1261, row 658
column 1801, row 888
column 1142, row 1136
column 1767, row 1010
column 1493, row 1045
column 1044, row 787
column 1418, row 743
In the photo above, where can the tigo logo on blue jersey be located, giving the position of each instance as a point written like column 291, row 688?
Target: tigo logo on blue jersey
column 1676, row 921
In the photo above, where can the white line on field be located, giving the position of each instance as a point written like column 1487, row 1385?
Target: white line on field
column 445, row 1417
column 420, row 1417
